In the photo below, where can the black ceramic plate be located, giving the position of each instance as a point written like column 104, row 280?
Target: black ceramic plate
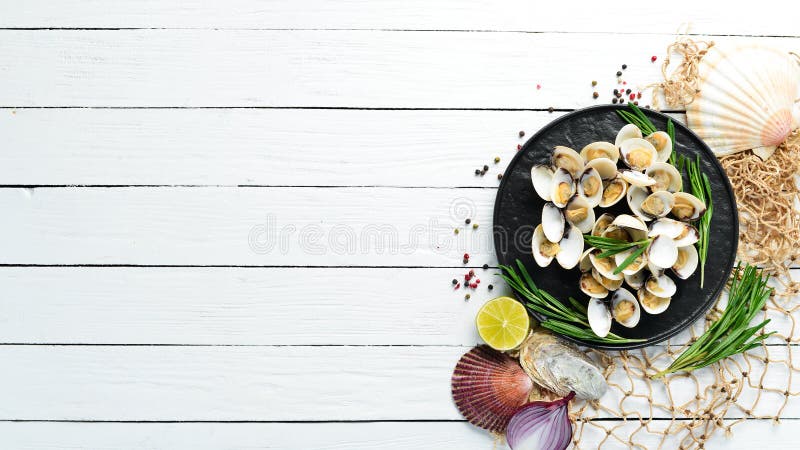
column 518, row 210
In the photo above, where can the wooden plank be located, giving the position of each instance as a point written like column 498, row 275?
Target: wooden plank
column 236, row 226
column 398, row 14
column 192, row 68
column 247, row 306
column 325, row 436
column 271, row 384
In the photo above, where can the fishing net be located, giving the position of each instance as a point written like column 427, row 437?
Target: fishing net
column 685, row 410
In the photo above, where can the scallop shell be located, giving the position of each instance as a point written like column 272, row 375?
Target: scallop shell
column 489, row 387
column 746, row 99
column 561, row 367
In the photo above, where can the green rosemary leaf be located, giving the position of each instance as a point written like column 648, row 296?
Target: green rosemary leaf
column 671, row 133
column 630, row 259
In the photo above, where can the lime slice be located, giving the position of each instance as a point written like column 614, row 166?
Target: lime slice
column 503, row 323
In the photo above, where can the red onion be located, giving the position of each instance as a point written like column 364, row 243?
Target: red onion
column 541, row 426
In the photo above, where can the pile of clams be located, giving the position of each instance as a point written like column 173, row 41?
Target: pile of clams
column 574, row 184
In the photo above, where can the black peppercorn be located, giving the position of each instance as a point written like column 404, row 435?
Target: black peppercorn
column 616, row 91
column 619, row 73
column 455, row 281
column 627, row 91
column 595, row 94
column 485, row 266
column 624, row 66
column 490, row 287
column 614, row 100
column 521, row 134
column 477, row 171
column 468, row 221
column 485, row 168
column 550, row 109
column 499, row 176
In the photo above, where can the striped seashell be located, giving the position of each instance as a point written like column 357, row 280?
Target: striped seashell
column 746, row 99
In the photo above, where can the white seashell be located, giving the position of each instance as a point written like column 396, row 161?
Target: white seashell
column 608, row 283
column 590, row 186
column 542, row 180
column 604, row 166
column 652, row 304
column 638, row 154
column 636, row 280
column 553, row 222
column 602, row 224
column 686, row 263
column 625, row 308
column 638, row 264
column 592, row 287
column 657, row 204
column 637, row 178
column 543, row 250
column 681, row 232
column 613, row 192
column 663, row 144
column 562, row 188
column 604, row 266
column 660, row 285
column 746, row 98
column 568, row 159
column 585, row 264
column 662, row 252
column 580, row 213
column 666, row 176
column 629, row 131
column 570, row 248
column 636, row 196
column 599, row 317
column 600, row 149
column 634, row 226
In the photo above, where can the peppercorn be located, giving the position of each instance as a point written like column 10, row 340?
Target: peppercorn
column 474, row 226
column 550, row 109
column 485, row 167
column 624, row 66
column 595, row 94
column 455, row 231
column 519, row 147
column 619, row 73
column 633, row 97
column 465, row 261
column 483, row 172
column 467, row 222
column 477, row 171
column 627, row 91
column 499, row 176
column 614, row 100
column 496, row 159
column 490, row 287
column 466, row 297
column 471, row 272
column 636, row 103
column 466, row 255
column 653, row 58
column 594, row 83
column 616, row 91
column 455, row 281
column 521, row 133
column 618, row 94
column 621, row 101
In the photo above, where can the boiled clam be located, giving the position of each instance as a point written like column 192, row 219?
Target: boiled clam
column 542, row 180
column 599, row 317
column 629, row 131
column 590, row 186
column 568, row 159
column 600, row 149
column 687, row 207
column 625, row 308
column 662, row 143
column 602, row 224
column 562, row 187
column 681, row 232
column 604, row 266
column 608, row 283
column 553, row 222
column 639, row 263
column 666, row 176
column 635, row 178
column 636, row 280
column 686, row 263
column 604, row 166
column 652, row 304
column 638, row 154
column 592, row 287
column 580, row 213
column 662, row 252
column 570, row 248
column 660, row 285
column 613, row 192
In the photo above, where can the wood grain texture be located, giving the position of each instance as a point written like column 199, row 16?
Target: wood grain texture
column 270, row 383
column 323, row 436
column 251, row 226
column 513, row 15
column 384, row 69
column 248, row 306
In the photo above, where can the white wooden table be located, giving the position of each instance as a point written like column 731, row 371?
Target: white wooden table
column 228, row 225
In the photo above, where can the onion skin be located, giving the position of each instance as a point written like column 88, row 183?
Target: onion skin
column 541, row 426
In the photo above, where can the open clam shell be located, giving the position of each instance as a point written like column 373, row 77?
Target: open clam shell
column 562, row 188
column 660, row 285
column 666, row 176
column 553, row 222
column 568, row 159
column 600, row 149
column 681, row 232
column 604, row 166
column 638, row 154
column 608, row 283
column 580, row 213
column 634, row 226
column 585, row 264
column 489, row 387
column 602, row 223
column 635, row 178
column 625, row 308
column 638, row 264
column 686, row 263
column 687, row 207
column 629, row 131
column 590, row 186
column 662, row 143
column 592, row 287
column 599, row 317
column 570, row 248
column 613, row 192
column 636, row 280
column 543, row 250
column 650, row 206
column 652, row 304
column 542, row 180
column 604, row 266
column 662, row 252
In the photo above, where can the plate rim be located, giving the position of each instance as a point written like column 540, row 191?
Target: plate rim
column 690, row 320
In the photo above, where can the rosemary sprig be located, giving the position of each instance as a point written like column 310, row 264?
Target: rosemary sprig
column 569, row 320
column 612, row 246
column 638, row 118
column 701, row 188
column 671, row 134
column 731, row 333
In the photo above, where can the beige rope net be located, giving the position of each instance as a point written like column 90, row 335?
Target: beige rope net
column 685, row 410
